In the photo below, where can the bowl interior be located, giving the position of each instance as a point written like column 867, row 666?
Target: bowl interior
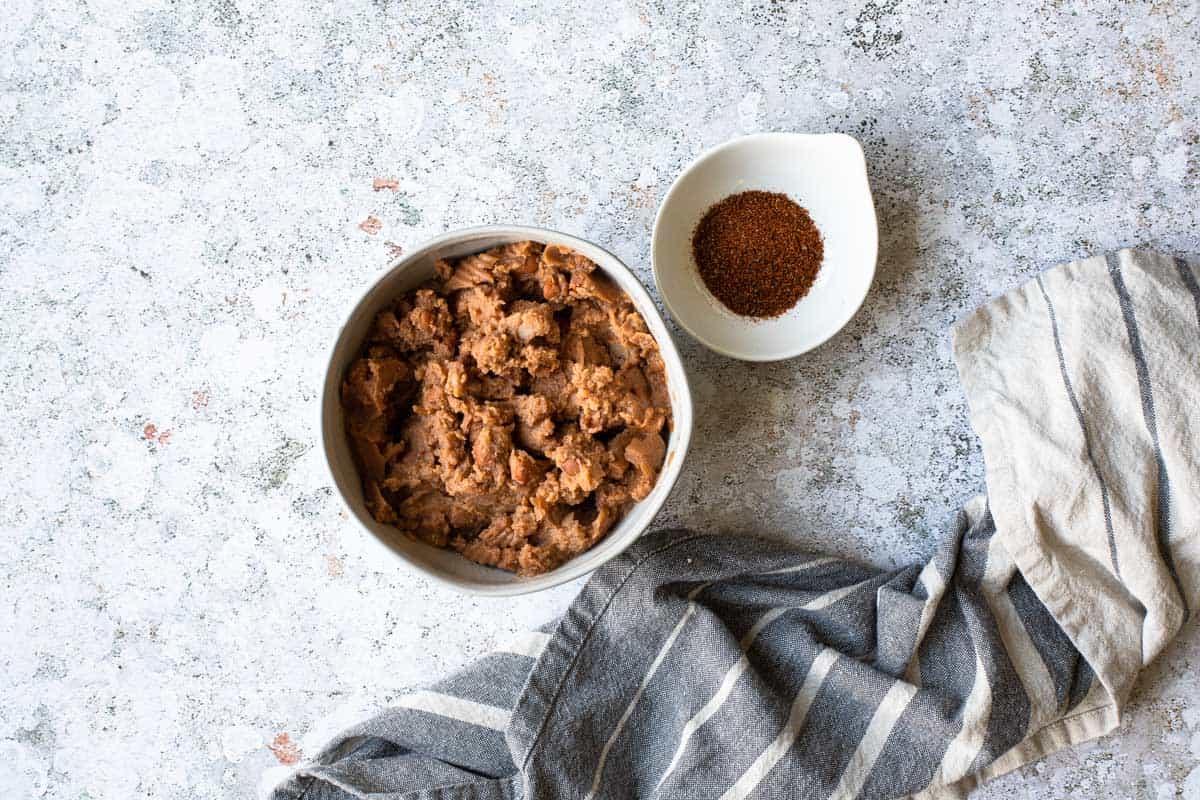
column 447, row 566
column 827, row 175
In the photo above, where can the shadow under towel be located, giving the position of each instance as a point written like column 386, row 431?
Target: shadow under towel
column 698, row 665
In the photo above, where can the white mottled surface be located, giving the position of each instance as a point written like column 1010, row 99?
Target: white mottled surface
column 180, row 191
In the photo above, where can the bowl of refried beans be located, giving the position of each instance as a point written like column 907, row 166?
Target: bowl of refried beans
column 504, row 409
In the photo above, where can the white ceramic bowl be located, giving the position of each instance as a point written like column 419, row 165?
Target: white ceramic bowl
column 446, row 566
column 825, row 173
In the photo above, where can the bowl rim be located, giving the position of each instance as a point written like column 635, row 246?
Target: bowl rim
column 694, row 165
column 681, row 407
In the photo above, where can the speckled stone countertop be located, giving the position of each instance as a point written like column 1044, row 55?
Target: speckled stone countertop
column 187, row 208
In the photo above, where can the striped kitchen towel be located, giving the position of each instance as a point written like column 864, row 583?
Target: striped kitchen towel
column 699, row 665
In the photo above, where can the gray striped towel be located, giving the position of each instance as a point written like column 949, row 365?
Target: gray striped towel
column 703, row 666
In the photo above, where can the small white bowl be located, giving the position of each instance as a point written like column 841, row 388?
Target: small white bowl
column 446, row 566
column 824, row 173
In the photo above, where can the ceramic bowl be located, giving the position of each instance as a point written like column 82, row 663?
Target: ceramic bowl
column 445, row 566
column 825, row 173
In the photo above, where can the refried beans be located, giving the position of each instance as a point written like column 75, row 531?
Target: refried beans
column 513, row 409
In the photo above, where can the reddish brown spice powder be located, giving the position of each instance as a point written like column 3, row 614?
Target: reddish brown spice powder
column 758, row 252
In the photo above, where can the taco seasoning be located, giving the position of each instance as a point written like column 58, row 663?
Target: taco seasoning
column 757, row 252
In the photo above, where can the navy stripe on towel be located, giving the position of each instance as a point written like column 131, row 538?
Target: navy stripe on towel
column 1087, row 437
column 1189, row 280
column 1162, row 498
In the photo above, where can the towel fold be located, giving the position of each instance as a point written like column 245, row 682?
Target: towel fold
column 697, row 665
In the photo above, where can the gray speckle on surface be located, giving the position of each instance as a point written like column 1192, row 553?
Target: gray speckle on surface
column 181, row 191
